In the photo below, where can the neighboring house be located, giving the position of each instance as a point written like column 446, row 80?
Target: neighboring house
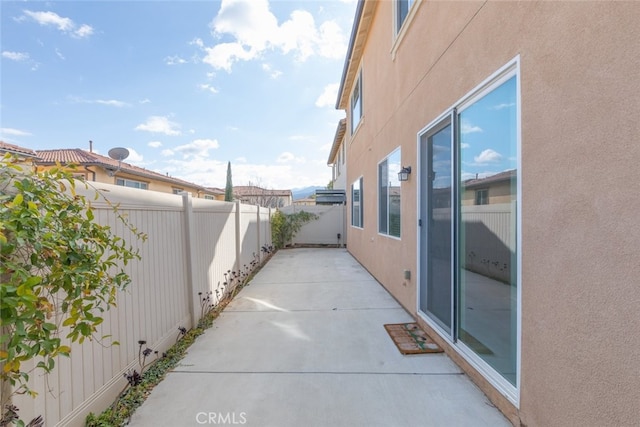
column 491, row 190
column 23, row 155
column 95, row 167
column 214, row 193
column 338, row 158
column 309, row 201
column 254, row 195
column 514, row 241
column 330, row 197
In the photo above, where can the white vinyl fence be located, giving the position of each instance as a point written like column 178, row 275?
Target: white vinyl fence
column 191, row 244
column 328, row 229
column 489, row 237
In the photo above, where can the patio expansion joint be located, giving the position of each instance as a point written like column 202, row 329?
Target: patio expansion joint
column 421, row 374
column 319, row 310
column 315, row 282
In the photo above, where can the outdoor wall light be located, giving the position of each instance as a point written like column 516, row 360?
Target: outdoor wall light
column 403, row 175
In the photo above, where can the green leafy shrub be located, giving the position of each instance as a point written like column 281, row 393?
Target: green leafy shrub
column 59, row 268
column 285, row 226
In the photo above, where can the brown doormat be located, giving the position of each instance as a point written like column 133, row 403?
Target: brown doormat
column 410, row 339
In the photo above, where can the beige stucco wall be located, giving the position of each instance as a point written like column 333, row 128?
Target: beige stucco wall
column 580, row 104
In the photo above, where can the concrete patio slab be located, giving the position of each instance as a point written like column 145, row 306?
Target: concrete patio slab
column 304, row 345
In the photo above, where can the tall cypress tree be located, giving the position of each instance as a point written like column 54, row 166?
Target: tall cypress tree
column 228, row 190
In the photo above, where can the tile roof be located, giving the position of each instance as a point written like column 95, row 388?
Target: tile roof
column 86, row 158
column 15, row 149
column 214, row 190
column 502, row 176
column 252, row 190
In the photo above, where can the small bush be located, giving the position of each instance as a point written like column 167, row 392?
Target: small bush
column 285, row 226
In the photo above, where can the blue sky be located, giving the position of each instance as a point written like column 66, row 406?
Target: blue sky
column 185, row 85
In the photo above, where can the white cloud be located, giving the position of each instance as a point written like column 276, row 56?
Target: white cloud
column 84, row 31
column 111, row 103
column 66, row 25
column 503, row 106
column 464, row 145
column 467, row 128
column 274, row 74
column 173, row 60
column 134, row 157
column 208, row 88
column 285, row 157
column 15, row 56
column 155, row 144
column 144, row 101
column 332, row 41
column 488, row 156
column 107, row 102
column 59, row 54
column 167, row 153
column 329, row 96
column 14, row 132
column 197, row 148
column 300, row 138
column 255, row 29
column 298, row 34
column 211, row 172
column 197, row 41
column 160, row 124
column 223, row 55
column 51, row 18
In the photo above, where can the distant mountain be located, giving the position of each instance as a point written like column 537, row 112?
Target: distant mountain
column 303, row 193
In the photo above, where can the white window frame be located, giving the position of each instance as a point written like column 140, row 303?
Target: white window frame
column 399, row 31
column 356, row 119
column 398, row 4
column 140, row 184
column 360, row 218
column 397, row 150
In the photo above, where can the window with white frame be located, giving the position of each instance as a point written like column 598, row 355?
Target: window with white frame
column 402, row 10
column 132, row 183
column 177, row 190
column 482, row 196
column 357, row 215
column 356, row 103
column 389, row 195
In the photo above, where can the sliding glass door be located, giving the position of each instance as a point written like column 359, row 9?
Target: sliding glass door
column 436, row 231
column 469, row 225
column 487, row 254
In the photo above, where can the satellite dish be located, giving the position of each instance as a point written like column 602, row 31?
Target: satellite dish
column 119, row 153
